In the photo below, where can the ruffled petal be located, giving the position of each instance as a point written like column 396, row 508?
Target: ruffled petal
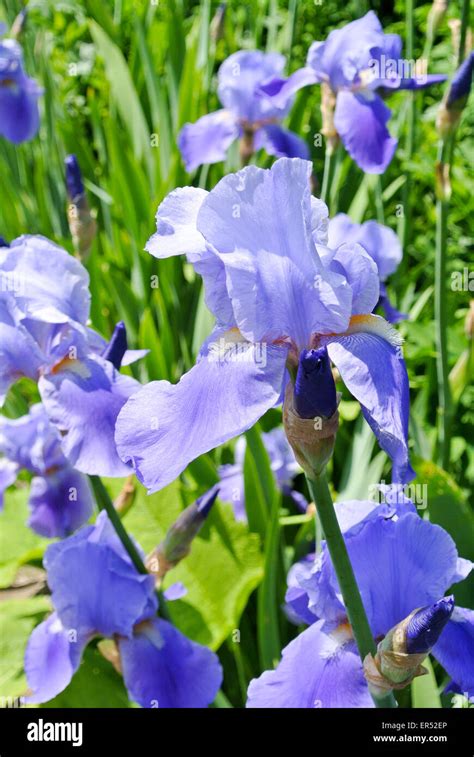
column 361, row 124
column 207, row 140
column 19, row 353
column 52, row 656
column 49, row 285
column 371, row 365
column 94, row 586
column 318, row 669
column 31, row 441
column 164, row 427
column 356, row 265
column 281, row 90
column 177, row 234
column 239, row 80
column 381, row 242
column 260, row 222
column 85, row 396
column 400, row 563
column 281, row 142
column 60, row 503
column 162, row 668
column 455, row 649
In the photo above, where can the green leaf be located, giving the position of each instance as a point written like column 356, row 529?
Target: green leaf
column 96, row 684
column 122, row 90
column 18, row 543
column 268, row 609
column 424, row 689
column 18, row 617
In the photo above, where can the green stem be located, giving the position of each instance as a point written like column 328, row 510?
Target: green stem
column 328, row 173
column 104, row 502
column 320, row 493
column 406, row 218
column 463, row 32
column 442, row 367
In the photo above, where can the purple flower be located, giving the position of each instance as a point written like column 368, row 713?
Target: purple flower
column 283, row 465
column 258, row 240
column 383, row 246
column 401, row 563
column 460, row 86
column 44, row 309
column 358, row 63
column 74, row 184
column 19, row 117
column 60, row 497
column 161, row 667
column 247, row 112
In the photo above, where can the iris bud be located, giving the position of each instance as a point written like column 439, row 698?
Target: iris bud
column 401, row 652
column 117, row 347
column 216, row 28
column 310, row 414
column 74, row 184
column 456, row 98
column 315, row 390
column 82, row 225
column 178, row 540
column 19, row 24
column 424, row 627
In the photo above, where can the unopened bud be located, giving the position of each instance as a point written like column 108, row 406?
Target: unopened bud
column 456, row 97
column 315, row 391
column 177, row 542
column 19, row 24
column 312, row 439
column 436, row 15
column 82, row 225
column 401, row 652
column 126, row 497
column 216, row 28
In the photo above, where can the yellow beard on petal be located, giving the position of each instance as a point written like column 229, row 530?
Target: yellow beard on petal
column 374, row 324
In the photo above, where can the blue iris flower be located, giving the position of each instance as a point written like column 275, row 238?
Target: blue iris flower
column 247, row 110
column 44, row 310
column 401, row 563
column 160, row 666
column 19, row 116
column 259, row 241
column 60, row 497
column 359, row 63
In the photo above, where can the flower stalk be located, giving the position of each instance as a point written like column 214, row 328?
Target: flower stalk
column 105, row 503
column 319, row 490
